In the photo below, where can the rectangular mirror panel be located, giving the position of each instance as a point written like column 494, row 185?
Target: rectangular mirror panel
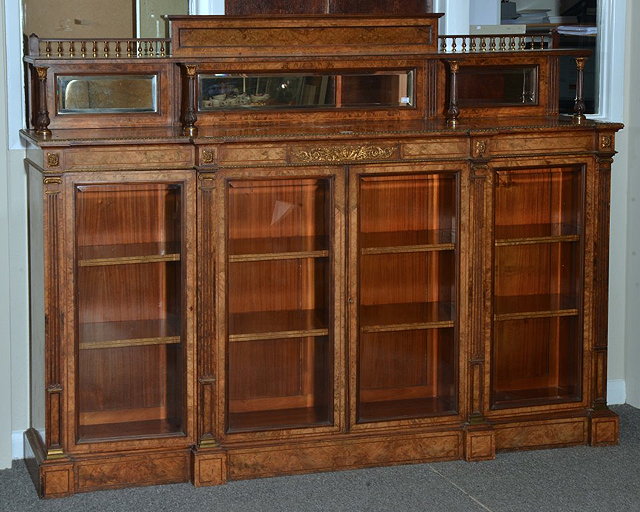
column 389, row 89
column 106, row 94
column 497, row 86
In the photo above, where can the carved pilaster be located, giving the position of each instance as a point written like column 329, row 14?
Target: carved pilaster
column 480, row 296
column 206, row 309
column 54, row 317
column 601, row 283
column 42, row 120
column 554, row 90
column 433, row 102
column 189, row 117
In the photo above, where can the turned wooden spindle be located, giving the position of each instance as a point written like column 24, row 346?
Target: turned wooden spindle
column 453, row 112
column 579, row 107
column 42, row 117
column 189, row 117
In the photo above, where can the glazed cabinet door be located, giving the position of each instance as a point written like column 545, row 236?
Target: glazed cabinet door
column 281, row 320
column 538, row 282
column 404, row 267
column 132, row 244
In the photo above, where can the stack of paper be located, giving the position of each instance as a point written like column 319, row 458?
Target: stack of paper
column 533, row 16
column 577, row 30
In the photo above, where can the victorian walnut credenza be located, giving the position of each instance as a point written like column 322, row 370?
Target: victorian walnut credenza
column 286, row 244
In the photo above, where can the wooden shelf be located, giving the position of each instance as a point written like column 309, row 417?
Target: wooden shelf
column 129, row 429
column 404, row 409
column 535, row 234
column 127, row 254
column 277, row 245
column 534, row 306
column 526, row 397
column 263, row 325
column 407, row 241
column 406, row 316
column 132, row 333
column 278, row 419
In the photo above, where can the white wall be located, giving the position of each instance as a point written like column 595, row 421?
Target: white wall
column 206, row 6
column 632, row 130
column 14, row 348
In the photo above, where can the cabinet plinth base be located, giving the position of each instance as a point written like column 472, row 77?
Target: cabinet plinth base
column 58, row 478
column 605, row 428
column 479, row 443
column 215, row 465
column 209, row 468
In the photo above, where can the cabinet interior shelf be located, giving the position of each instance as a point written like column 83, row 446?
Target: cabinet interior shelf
column 99, row 335
column 405, row 409
column 407, row 241
column 126, row 254
column 263, row 325
column 129, row 429
column 277, row 245
column 239, row 258
column 406, row 316
column 534, row 306
column 516, row 398
column 277, row 419
column 535, row 234
column 537, row 240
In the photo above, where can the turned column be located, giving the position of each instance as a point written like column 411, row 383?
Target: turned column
column 453, row 112
column 189, row 116
column 579, row 107
column 42, row 120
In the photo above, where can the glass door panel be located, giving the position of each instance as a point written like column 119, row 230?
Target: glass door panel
column 407, row 303
column 129, row 304
column 280, row 355
column 537, row 344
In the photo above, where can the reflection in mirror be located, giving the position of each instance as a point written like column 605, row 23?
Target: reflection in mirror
column 106, row 94
column 497, row 86
column 390, row 89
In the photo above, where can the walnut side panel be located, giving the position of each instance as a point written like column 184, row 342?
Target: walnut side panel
column 37, row 302
column 436, row 147
column 331, row 456
column 542, row 434
column 129, row 157
column 290, row 36
column 125, row 471
column 541, row 143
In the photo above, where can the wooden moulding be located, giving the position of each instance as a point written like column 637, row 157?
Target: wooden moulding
column 226, row 36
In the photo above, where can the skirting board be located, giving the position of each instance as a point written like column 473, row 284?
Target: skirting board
column 616, row 394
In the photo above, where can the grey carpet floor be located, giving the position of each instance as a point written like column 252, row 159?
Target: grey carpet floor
column 579, row 479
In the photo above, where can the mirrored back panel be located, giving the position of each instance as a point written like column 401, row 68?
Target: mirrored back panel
column 497, row 86
column 106, row 94
column 382, row 89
